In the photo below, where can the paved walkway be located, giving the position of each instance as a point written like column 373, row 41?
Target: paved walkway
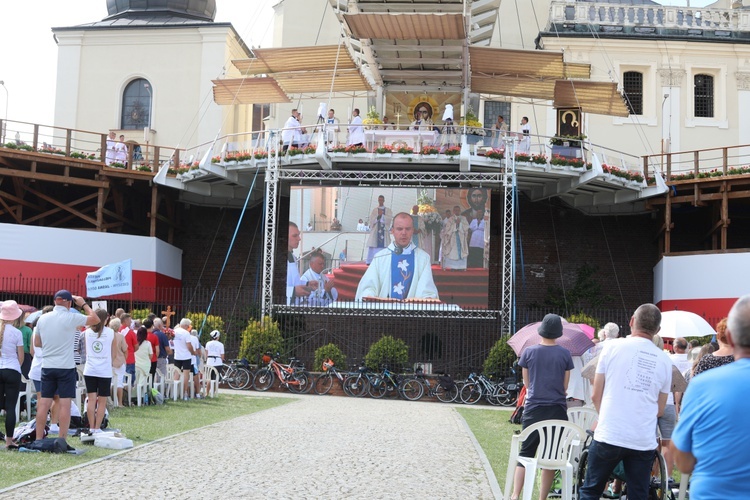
column 315, row 447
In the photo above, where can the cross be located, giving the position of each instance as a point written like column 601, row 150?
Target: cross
column 168, row 313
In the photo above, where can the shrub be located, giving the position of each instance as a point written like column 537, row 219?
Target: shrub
column 584, row 318
column 140, row 314
column 212, row 323
column 260, row 337
column 387, row 351
column 329, row 351
column 500, row 358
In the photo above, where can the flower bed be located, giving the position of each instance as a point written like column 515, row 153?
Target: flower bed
column 452, row 151
column 22, row 147
column 51, row 150
column 83, row 156
column 295, row 151
column 429, row 150
column 496, row 154
column 627, row 175
column 405, row 150
column 384, row 149
column 355, row 150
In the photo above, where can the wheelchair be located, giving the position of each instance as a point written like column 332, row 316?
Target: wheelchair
column 658, row 485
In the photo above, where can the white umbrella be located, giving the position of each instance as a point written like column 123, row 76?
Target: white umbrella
column 684, row 324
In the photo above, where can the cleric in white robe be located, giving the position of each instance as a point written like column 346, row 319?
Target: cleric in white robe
column 324, row 292
column 401, row 270
column 356, row 130
column 296, row 290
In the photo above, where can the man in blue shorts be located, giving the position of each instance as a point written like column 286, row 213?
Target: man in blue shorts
column 710, row 442
column 55, row 333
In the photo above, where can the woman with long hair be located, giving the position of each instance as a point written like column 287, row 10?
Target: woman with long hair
column 11, row 357
column 119, row 355
column 100, row 342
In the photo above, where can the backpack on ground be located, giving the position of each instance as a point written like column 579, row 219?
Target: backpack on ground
column 26, row 433
column 50, row 445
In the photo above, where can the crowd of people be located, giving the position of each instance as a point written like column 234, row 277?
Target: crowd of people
column 639, row 409
column 71, row 344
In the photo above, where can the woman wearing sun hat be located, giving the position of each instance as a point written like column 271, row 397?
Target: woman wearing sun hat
column 11, row 357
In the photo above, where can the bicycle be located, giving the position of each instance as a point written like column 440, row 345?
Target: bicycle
column 388, row 382
column 237, row 374
column 324, row 381
column 445, row 390
column 357, row 384
column 292, row 376
column 478, row 387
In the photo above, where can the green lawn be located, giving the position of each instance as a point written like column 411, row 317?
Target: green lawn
column 493, row 431
column 142, row 425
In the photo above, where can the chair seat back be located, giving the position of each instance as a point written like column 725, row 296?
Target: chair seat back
column 555, row 440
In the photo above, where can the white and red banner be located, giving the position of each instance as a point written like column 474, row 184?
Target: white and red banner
column 706, row 284
column 37, row 259
column 111, row 279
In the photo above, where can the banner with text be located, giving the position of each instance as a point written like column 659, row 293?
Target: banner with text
column 111, row 279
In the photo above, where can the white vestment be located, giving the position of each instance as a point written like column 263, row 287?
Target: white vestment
column 332, row 131
column 292, row 133
column 356, row 132
column 292, row 280
column 121, row 152
column 524, row 144
column 319, row 297
column 111, row 154
column 377, row 279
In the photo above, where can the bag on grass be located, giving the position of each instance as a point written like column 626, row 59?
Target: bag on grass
column 26, row 433
column 517, row 415
column 50, row 445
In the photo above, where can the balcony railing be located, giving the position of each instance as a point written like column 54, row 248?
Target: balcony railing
column 671, row 17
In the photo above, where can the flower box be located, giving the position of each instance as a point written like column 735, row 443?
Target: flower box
column 383, row 155
column 430, row 157
column 338, row 154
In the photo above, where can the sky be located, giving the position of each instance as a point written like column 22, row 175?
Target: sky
column 28, row 53
column 28, row 60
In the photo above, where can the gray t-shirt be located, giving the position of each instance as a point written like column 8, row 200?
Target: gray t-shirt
column 547, row 366
column 57, row 330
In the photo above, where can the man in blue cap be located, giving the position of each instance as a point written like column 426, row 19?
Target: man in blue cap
column 55, row 334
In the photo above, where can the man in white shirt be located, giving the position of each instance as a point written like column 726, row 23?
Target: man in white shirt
column 183, row 353
column 632, row 381
column 324, row 292
column 295, row 289
column 356, row 130
column 55, row 333
column 292, row 133
column 196, row 361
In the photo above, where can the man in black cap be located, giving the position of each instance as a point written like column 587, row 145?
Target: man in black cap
column 546, row 371
column 55, row 333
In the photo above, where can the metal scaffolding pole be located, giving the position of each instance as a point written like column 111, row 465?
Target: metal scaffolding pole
column 269, row 250
column 507, row 298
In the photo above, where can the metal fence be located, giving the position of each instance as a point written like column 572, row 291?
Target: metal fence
column 451, row 341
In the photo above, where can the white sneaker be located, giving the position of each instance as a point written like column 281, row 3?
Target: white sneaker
column 54, row 429
column 96, row 431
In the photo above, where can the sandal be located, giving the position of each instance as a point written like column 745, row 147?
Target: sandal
column 11, row 446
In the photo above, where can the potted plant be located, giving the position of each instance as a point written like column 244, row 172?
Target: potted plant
column 339, row 151
column 310, row 150
column 452, row 151
column 429, row 152
column 356, row 150
column 523, row 158
column 216, row 159
column 539, row 159
column 117, row 164
column 405, row 150
column 260, row 154
column 295, row 151
column 373, row 118
column 384, row 151
column 474, row 129
column 496, row 154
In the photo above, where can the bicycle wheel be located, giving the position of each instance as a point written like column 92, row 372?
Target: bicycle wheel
column 377, row 387
column 355, row 386
column 299, row 382
column 411, row 389
column 581, row 473
column 657, row 489
column 243, row 378
column 323, row 383
column 446, row 395
column 231, row 378
column 263, row 380
column 471, row 393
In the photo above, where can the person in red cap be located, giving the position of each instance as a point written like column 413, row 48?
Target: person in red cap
column 55, row 333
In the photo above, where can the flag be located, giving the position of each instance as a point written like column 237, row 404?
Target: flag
column 111, row 279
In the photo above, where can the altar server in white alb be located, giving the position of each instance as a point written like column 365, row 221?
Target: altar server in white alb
column 324, row 293
column 524, row 138
column 401, row 271
column 356, row 130
column 380, row 220
column 292, row 133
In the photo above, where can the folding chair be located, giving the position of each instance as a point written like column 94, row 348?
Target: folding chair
column 556, row 438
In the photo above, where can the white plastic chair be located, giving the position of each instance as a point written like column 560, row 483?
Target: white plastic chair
column 583, row 417
column 127, row 386
column 556, row 438
column 28, row 391
column 141, row 389
column 210, row 380
column 157, row 382
column 175, row 385
column 684, row 479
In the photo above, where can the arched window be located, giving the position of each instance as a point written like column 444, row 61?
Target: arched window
column 704, row 96
column 632, row 85
column 136, row 105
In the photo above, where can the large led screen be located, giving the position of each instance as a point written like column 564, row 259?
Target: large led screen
column 401, row 248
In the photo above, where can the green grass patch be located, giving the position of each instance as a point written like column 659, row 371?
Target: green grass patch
column 493, row 431
column 142, row 425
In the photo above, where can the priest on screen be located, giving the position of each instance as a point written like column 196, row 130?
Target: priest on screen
column 401, row 271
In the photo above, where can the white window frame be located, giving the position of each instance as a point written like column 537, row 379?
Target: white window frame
column 648, row 118
column 719, row 73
